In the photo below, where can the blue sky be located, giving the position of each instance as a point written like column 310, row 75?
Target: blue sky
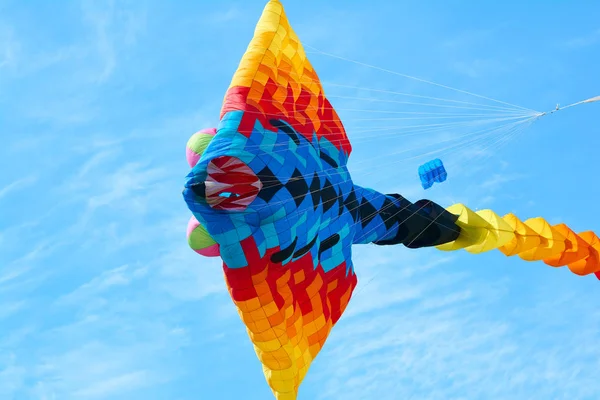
column 102, row 299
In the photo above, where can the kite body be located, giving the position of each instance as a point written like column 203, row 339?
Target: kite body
column 273, row 190
column 271, row 195
column 431, row 172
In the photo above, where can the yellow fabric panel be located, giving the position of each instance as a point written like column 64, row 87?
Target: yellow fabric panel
column 482, row 230
column 525, row 237
column 552, row 242
column 473, row 228
column 498, row 233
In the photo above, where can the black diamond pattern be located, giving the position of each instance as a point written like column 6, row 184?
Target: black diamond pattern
column 389, row 213
column 284, row 127
column 328, row 195
column 325, row 157
column 352, row 205
column 297, row 187
column 315, row 191
column 340, row 204
column 271, row 185
column 367, row 213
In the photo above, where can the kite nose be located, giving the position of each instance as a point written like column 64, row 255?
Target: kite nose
column 230, row 184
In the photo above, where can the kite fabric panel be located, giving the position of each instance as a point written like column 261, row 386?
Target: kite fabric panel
column 271, row 195
column 431, row 172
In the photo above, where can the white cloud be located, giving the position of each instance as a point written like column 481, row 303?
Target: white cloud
column 121, row 276
column 17, row 185
column 186, row 276
column 22, row 265
column 469, row 38
column 9, row 47
column 480, row 68
column 119, row 384
column 9, row 309
column 224, row 16
column 494, row 181
column 12, row 376
column 97, row 370
column 587, row 40
column 114, row 29
column 127, row 183
column 100, row 21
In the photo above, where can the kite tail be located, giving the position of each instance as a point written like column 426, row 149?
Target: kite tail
column 392, row 219
column 532, row 240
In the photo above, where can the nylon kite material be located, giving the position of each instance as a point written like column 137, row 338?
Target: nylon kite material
column 271, row 195
column 431, row 172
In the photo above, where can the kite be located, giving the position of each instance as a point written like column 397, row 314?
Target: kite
column 431, row 172
column 271, row 195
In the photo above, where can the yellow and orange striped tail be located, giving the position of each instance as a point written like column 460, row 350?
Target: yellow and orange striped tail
column 532, row 240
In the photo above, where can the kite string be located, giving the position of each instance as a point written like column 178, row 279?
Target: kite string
column 283, row 147
column 415, row 78
column 511, row 132
column 304, row 82
column 521, row 115
column 536, row 113
column 487, row 106
column 410, row 126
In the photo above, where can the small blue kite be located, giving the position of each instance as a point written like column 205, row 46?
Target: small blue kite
column 431, row 172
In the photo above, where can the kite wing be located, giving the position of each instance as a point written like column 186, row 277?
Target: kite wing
column 275, row 78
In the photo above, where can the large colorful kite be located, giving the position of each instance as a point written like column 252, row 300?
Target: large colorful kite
column 272, row 196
